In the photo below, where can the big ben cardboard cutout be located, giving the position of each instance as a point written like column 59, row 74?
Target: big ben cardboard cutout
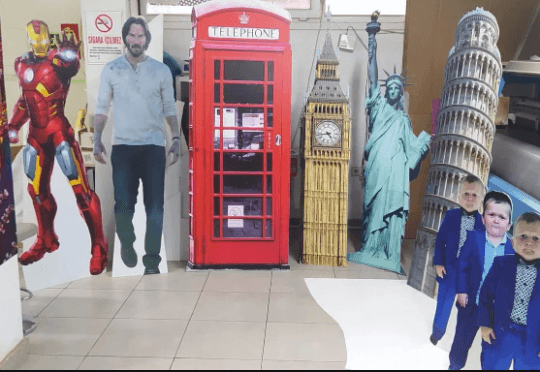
column 326, row 156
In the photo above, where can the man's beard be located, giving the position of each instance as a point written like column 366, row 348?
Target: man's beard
column 136, row 53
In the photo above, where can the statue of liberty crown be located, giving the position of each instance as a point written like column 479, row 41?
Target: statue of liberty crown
column 395, row 78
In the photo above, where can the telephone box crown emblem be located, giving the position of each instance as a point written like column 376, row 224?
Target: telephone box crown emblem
column 244, row 19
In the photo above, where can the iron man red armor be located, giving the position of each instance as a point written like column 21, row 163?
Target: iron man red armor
column 44, row 77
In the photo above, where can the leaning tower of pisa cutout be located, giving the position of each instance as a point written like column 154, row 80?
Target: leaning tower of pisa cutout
column 465, row 132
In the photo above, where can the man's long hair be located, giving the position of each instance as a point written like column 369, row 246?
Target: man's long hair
column 140, row 21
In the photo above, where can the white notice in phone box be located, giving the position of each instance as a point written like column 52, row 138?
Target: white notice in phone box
column 235, row 210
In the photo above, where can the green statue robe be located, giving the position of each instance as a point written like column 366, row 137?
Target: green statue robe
column 391, row 151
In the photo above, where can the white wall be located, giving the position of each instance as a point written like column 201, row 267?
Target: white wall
column 104, row 187
column 305, row 38
column 14, row 44
column 11, row 332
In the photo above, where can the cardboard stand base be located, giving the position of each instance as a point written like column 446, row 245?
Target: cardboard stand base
column 139, row 223
column 72, row 260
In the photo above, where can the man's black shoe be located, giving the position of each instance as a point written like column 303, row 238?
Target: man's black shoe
column 129, row 256
column 151, row 271
column 433, row 340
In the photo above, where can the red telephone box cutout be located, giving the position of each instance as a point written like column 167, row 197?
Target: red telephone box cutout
column 240, row 106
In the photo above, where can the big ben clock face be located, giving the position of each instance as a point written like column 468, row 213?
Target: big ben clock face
column 328, row 133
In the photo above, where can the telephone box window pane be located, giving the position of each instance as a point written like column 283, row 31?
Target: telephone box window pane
column 217, row 186
column 251, row 117
column 217, row 164
column 248, row 162
column 242, row 206
column 217, row 117
column 216, row 228
column 268, row 206
column 237, row 228
column 242, row 184
column 270, row 94
column 243, row 140
column 270, row 70
column 216, row 206
column 216, row 93
column 244, row 70
column 250, row 140
column 269, row 162
column 217, row 135
column 217, row 69
column 269, row 184
column 268, row 228
column 270, row 117
column 243, row 93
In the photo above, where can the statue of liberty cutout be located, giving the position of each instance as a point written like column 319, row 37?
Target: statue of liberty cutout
column 391, row 152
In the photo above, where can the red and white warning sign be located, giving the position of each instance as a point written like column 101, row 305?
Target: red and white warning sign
column 104, row 36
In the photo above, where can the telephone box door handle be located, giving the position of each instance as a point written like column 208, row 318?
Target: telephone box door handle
column 278, row 140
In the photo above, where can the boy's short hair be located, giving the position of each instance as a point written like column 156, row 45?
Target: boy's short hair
column 527, row 217
column 470, row 179
column 498, row 197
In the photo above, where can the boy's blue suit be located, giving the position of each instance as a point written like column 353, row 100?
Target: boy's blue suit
column 446, row 249
column 470, row 269
column 494, row 311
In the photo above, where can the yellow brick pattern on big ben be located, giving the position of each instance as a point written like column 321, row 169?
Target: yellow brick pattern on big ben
column 326, row 186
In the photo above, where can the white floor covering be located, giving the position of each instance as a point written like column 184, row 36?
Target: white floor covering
column 387, row 324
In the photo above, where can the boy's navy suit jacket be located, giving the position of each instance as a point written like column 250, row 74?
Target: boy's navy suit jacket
column 447, row 242
column 497, row 301
column 471, row 263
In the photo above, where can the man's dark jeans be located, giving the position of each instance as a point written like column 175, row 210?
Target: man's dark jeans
column 131, row 163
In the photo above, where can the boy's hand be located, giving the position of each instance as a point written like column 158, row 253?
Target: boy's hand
column 441, row 271
column 463, row 299
column 488, row 334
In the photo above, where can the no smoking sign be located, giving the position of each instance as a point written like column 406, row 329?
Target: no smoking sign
column 104, row 23
column 104, row 36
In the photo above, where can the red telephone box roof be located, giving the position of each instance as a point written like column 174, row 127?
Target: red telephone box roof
column 218, row 5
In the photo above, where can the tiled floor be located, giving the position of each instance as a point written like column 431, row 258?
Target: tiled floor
column 193, row 320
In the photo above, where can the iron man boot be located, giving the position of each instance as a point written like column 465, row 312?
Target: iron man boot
column 91, row 212
column 47, row 240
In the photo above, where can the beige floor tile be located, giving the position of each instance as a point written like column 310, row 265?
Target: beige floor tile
column 159, row 305
column 292, row 281
column 140, row 338
column 315, row 342
column 256, row 281
column 173, row 265
column 301, row 365
column 47, row 362
column 232, row 307
column 116, row 363
column 84, row 303
column 296, row 308
column 296, row 265
column 105, row 281
column 176, row 280
column 41, row 299
column 61, row 286
column 55, row 336
column 354, row 266
column 223, row 340
column 380, row 274
column 186, row 364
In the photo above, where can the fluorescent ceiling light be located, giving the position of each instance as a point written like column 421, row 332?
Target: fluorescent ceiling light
column 185, row 6
column 363, row 7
